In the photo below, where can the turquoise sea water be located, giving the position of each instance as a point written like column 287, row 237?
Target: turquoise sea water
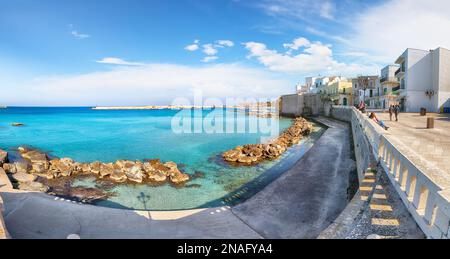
column 88, row 135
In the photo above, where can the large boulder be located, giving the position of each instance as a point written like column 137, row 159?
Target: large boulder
column 178, row 178
column 23, row 177
column 118, row 175
column 153, row 174
column 17, row 167
column 62, row 167
column 3, row 157
column 84, row 168
column 95, row 167
column 33, row 187
column 232, row 155
column 106, row 170
column 35, row 156
column 134, row 172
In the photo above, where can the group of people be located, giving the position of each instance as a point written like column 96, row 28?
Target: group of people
column 393, row 110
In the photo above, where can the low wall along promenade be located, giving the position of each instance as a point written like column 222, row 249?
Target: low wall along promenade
column 424, row 189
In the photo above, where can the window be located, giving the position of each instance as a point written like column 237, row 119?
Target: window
column 371, row 93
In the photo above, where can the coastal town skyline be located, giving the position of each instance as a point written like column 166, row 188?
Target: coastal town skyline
column 86, row 54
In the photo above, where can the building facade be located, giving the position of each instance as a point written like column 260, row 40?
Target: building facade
column 390, row 87
column 368, row 90
column 424, row 77
column 318, row 84
column 339, row 93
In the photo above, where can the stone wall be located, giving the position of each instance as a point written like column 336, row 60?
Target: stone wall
column 302, row 105
column 366, row 135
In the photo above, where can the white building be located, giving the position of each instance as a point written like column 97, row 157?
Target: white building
column 317, row 84
column 424, row 77
column 390, row 87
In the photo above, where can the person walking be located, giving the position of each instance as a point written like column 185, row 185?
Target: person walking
column 391, row 111
column 396, row 111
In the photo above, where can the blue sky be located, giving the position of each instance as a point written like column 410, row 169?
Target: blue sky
column 113, row 52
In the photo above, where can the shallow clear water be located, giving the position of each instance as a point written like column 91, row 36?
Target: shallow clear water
column 88, row 135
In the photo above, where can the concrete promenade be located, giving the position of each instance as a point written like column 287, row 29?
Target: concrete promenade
column 431, row 144
column 299, row 204
column 307, row 198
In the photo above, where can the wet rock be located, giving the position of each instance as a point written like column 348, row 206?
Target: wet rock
column 39, row 168
column 232, row 155
column 61, row 167
column 95, row 167
column 34, row 156
column 178, row 178
column 118, row 175
column 196, row 186
column 153, row 174
column 32, row 187
column 87, row 194
column 135, row 173
column 17, row 167
column 106, row 169
column 23, row 177
column 253, row 153
column 157, row 177
column 3, row 157
column 22, row 150
column 84, row 168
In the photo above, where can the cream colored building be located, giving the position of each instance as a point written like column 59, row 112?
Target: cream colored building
column 339, row 92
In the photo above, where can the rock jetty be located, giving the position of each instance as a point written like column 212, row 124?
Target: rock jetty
column 37, row 164
column 255, row 153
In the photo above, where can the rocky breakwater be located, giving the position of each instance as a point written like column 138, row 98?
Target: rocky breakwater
column 36, row 164
column 254, row 153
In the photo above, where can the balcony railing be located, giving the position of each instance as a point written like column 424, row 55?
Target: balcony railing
column 399, row 71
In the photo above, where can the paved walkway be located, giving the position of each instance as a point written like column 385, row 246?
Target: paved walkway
column 431, row 144
column 310, row 196
column 299, row 204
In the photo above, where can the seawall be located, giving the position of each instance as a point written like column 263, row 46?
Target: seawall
column 424, row 191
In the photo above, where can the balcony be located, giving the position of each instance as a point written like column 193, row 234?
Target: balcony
column 389, row 81
column 399, row 73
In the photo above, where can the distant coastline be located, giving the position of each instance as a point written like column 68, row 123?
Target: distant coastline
column 160, row 107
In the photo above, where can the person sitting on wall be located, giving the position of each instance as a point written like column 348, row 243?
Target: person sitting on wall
column 362, row 107
column 377, row 121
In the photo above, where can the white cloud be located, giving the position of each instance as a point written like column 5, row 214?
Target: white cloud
column 225, row 43
column 209, row 59
column 209, row 49
column 117, row 61
column 194, row 46
column 386, row 30
column 78, row 35
column 152, row 84
column 297, row 43
column 315, row 57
